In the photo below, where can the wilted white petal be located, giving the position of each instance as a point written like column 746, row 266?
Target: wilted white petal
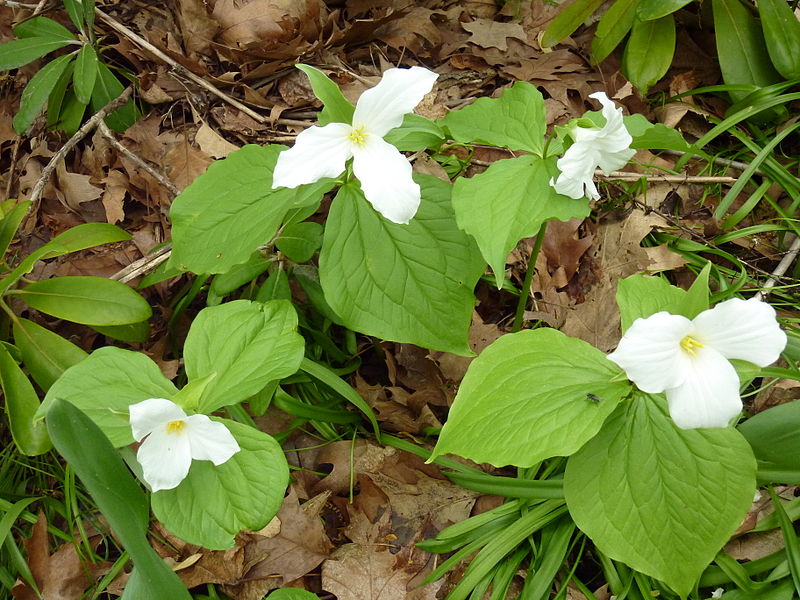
column 210, row 440
column 385, row 176
column 150, row 414
column 577, row 172
column 318, row 152
column 609, row 160
column 709, row 396
column 165, row 458
column 610, row 111
column 743, row 329
column 650, row 352
column 381, row 108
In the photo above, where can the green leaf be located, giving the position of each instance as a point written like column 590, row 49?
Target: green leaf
column 85, row 73
column 782, row 35
column 515, row 120
column 21, row 403
column 239, row 275
column 300, row 241
column 118, row 497
column 133, row 333
column 654, row 136
column 655, row 9
column 75, row 12
column 648, row 53
column 640, row 296
column 660, row 499
column 772, row 434
column 231, row 209
column 292, row 594
column 613, row 27
column 86, row 300
column 16, row 53
column 741, row 50
column 46, row 354
column 88, row 13
column 38, row 89
column 247, row 344
column 276, row 287
column 337, row 107
column 105, row 384
column 416, row 133
column 214, row 503
column 42, row 27
column 508, row 202
column 10, row 224
column 568, row 20
column 405, row 283
column 107, row 87
column 529, row 396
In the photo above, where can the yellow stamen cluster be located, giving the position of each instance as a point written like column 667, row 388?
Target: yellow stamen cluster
column 175, row 426
column 690, row 345
column 358, row 136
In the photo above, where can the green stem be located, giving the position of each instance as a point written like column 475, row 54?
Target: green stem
column 526, row 285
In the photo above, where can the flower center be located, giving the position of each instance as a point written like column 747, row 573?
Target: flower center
column 358, row 136
column 690, row 345
column 175, row 426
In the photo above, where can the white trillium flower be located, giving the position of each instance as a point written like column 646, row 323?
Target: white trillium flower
column 688, row 360
column 384, row 173
column 172, row 440
column 607, row 147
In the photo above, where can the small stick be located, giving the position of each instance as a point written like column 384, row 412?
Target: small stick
column 12, row 4
column 781, row 269
column 143, row 265
column 628, row 176
column 12, row 168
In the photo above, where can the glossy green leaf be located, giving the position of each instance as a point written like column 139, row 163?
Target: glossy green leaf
column 231, row 209
column 337, row 107
column 21, row 403
column 300, row 241
column 416, row 133
column 655, row 9
column 214, row 503
column 782, row 35
column 613, row 27
column 107, row 87
column 648, row 53
column 10, row 224
column 46, row 354
column 105, row 384
column 510, row 201
column 133, row 333
column 405, row 283
column 529, row 396
column 741, row 51
column 568, row 20
column 118, row 497
column 16, row 53
column 276, row 287
column 42, row 27
column 773, row 435
column 660, row 499
column 515, row 120
column 640, row 296
column 75, row 12
column 87, row 300
column 247, row 344
column 88, row 13
column 239, row 275
column 38, row 89
column 85, row 73
column 292, row 594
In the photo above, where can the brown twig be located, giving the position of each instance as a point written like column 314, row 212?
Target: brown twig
column 781, row 269
column 12, row 4
column 12, row 168
column 143, row 265
column 628, row 176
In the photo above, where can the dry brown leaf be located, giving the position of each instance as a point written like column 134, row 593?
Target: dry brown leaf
column 114, row 195
column 213, row 143
column 75, row 188
column 185, row 162
column 492, row 34
column 359, row 572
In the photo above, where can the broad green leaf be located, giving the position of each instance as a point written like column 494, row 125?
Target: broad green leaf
column 782, row 36
column 59, row 98
column 239, row 275
column 660, row 499
column 105, row 384
column 337, row 107
column 655, row 9
column 46, row 354
column 118, row 497
column 231, row 209
column 515, row 120
column 70, row 113
column 529, row 396
column 783, row 589
column 86, row 300
column 133, row 333
column 247, row 344
column 16, row 53
column 85, row 73
column 21, row 403
column 276, row 287
column 773, row 435
column 214, row 503
column 613, row 27
column 10, row 224
column 653, row 136
column 308, row 278
column 416, row 133
column 648, row 53
column 107, row 87
column 38, row 89
column 640, row 296
column 42, row 27
column 568, row 20
column 742, row 53
column 405, row 283
column 508, row 202
column 300, row 241
column 292, row 594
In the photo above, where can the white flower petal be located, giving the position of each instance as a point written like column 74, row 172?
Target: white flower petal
column 165, row 458
column 318, row 152
column 577, row 172
column 709, row 396
column 650, row 352
column 613, row 141
column 152, row 414
column 743, row 329
column 385, row 176
column 381, row 108
column 210, row 440
column 610, row 111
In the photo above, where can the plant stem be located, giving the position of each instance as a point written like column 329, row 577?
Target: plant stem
column 526, row 285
